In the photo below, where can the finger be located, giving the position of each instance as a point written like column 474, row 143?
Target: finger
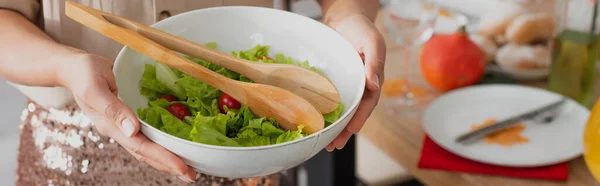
column 101, row 98
column 162, row 167
column 374, row 53
column 150, row 162
column 154, row 152
column 364, row 110
column 330, row 147
column 341, row 140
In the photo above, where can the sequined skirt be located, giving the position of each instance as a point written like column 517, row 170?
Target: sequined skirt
column 62, row 147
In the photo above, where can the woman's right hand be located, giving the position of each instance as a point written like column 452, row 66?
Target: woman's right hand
column 92, row 82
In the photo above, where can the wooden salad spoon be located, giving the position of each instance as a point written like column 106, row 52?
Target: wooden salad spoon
column 287, row 108
column 312, row 86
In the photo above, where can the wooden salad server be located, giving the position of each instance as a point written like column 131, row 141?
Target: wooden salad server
column 287, row 108
column 312, row 86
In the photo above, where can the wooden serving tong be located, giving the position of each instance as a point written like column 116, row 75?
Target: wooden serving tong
column 306, row 90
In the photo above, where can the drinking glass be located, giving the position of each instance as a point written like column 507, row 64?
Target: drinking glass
column 411, row 24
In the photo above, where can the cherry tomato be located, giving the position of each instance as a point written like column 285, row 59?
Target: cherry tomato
column 169, row 98
column 230, row 102
column 179, row 110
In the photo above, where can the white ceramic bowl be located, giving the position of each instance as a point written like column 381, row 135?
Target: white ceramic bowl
column 240, row 28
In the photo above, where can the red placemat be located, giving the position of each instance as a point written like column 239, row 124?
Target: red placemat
column 436, row 157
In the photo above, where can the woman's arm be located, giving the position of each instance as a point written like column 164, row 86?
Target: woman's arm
column 27, row 55
column 336, row 10
column 353, row 19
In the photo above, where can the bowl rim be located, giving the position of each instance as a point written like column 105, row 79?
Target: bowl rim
column 354, row 105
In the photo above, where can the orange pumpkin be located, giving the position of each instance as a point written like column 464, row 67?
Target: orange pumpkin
column 451, row 61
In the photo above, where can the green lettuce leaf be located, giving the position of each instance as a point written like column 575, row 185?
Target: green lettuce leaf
column 290, row 135
column 254, row 141
column 334, row 115
column 250, row 137
column 203, row 63
column 268, row 129
column 163, row 120
column 160, row 103
column 150, row 94
column 212, row 45
column 150, row 86
column 253, row 54
column 238, row 127
column 212, row 130
column 197, row 89
column 202, row 107
column 208, row 135
column 151, row 116
column 256, row 123
column 280, row 58
column 172, row 125
column 218, row 122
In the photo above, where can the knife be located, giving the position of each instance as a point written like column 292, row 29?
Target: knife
column 480, row 133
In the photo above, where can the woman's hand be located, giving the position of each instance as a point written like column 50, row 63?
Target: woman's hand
column 369, row 43
column 93, row 84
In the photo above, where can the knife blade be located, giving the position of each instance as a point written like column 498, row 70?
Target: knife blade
column 480, row 133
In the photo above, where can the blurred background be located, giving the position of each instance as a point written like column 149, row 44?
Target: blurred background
column 12, row 102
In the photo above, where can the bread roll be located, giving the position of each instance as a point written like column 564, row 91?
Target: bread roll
column 529, row 27
column 488, row 46
column 547, row 6
column 500, row 40
column 495, row 22
column 523, row 56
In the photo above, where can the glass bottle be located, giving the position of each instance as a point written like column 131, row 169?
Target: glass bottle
column 573, row 72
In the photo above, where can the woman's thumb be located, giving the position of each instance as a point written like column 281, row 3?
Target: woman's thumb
column 122, row 116
column 104, row 101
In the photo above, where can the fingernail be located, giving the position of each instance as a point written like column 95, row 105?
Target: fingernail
column 185, row 179
column 376, row 81
column 127, row 127
column 329, row 150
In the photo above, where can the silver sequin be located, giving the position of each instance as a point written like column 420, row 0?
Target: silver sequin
column 93, row 137
column 55, row 158
column 55, row 143
column 43, row 115
column 31, row 107
column 24, row 114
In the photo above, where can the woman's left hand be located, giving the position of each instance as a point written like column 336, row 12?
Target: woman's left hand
column 369, row 43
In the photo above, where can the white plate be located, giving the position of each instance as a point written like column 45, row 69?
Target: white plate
column 453, row 114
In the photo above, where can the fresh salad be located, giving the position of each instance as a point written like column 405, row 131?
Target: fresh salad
column 185, row 107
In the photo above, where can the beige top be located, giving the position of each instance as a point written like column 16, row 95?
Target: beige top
column 49, row 16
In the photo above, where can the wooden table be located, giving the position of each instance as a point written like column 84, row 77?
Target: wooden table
column 402, row 139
